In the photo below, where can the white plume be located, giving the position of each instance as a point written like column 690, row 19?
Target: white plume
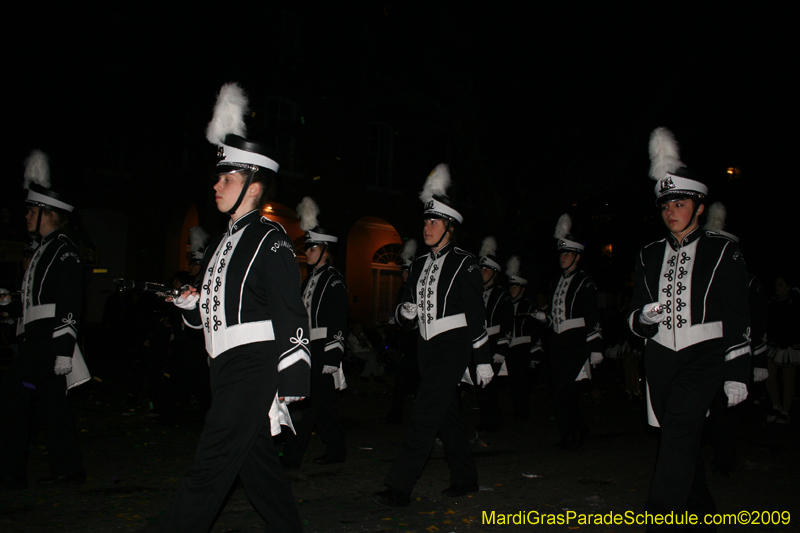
column 409, row 250
column 664, row 156
column 229, row 113
column 37, row 169
column 715, row 220
column 197, row 238
column 307, row 211
column 563, row 227
column 488, row 247
column 437, row 183
column 512, row 266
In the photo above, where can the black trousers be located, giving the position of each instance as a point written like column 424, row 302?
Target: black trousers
column 442, row 362
column 30, row 386
column 518, row 364
column 236, row 441
column 567, row 357
column 488, row 398
column 682, row 386
column 318, row 411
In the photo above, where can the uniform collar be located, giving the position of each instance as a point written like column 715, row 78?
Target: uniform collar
column 567, row 275
column 249, row 218
column 687, row 240
column 442, row 251
column 52, row 235
column 318, row 269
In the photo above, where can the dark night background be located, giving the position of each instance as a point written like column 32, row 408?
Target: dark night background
column 538, row 109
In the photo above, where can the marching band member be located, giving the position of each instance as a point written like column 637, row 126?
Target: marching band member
column 443, row 298
column 577, row 337
column 690, row 304
column 325, row 299
column 255, row 329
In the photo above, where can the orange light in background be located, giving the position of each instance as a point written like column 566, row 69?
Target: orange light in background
column 607, row 250
column 734, row 173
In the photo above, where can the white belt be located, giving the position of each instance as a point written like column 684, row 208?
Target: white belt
column 520, row 340
column 493, row 330
column 225, row 338
column 567, row 325
column 318, row 333
column 38, row 312
column 445, row 324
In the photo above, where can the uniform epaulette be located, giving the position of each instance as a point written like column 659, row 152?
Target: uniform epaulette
column 719, row 235
column 265, row 220
column 463, row 252
column 65, row 239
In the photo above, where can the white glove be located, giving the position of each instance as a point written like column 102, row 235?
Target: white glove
column 188, row 303
column 736, row 391
column 409, row 311
column 497, row 358
column 289, row 399
column 328, row 369
column 534, row 363
column 760, row 374
column 485, row 374
column 5, row 297
column 651, row 313
column 595, row 358
column 539, row 315
column 63, row 365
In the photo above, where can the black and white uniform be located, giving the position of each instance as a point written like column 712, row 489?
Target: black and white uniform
column 576, row 335
column 525, row 346
column 325, row 298
column 256, row 333
column 447, row 289
column 52, row 295
column 702, row 342
column 499, row 325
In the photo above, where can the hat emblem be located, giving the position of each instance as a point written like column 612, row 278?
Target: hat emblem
column 220, row 151
column 562, row 242
column 429, row 205
column 667, row 184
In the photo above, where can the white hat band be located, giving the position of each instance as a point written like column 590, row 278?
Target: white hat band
column 313, row 236
column 39, row 198
column 566, row 244
column 675, row 184
column 235, row 155
column 437, row 207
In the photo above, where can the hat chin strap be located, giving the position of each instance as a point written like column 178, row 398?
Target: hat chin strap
column 446, row 229
column 321, row 253
column 36, row 234
column 491, row 280
column 247, row 182
column 575, row 257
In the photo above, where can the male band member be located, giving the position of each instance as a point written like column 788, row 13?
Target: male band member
column 577, row 337
column 690, row 303
column 499, row 325
column 525, row 348
column 444, row 298
column 255, row 329
column 325, row 299
column 49, row 362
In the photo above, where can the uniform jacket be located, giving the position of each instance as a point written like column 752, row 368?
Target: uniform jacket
column 249, row 295
column 527, row 330
column 327, row 314
column 574, row 311
column 499, row 319
column 52, row 294
column 447, row 289
column 703, row 283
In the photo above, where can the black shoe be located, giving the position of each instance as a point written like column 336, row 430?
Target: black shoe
column 462, row 490
column 325, row 460
column 9, row 483
column 391, row 498
column 69, row 480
